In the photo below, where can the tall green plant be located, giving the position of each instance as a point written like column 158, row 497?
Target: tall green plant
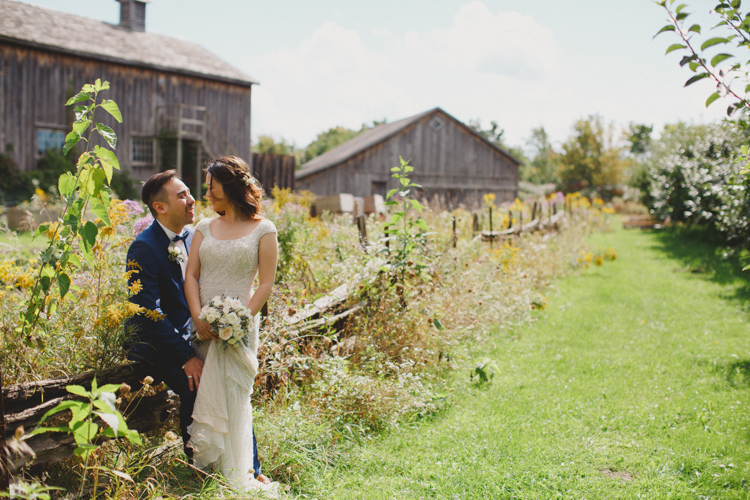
column 84, row 191
column 407, row 230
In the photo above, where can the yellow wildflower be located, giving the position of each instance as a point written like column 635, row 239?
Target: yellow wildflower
column 136, row 287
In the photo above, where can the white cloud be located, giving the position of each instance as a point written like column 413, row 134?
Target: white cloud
column 500, row 66
column 474, row 68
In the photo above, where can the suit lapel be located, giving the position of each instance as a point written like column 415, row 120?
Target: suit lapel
column 173, row 267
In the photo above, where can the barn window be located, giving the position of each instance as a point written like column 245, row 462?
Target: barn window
column 48, row 138
column 436, row 124
column 143, row 151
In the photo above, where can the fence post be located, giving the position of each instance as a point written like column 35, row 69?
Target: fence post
column 264, row 311
column 520, row 222
column 362, row 226
column 533, row 212
column 475, row 223
column 4, row 476
column 455, row 236
column 492, row 236
column 510, row 219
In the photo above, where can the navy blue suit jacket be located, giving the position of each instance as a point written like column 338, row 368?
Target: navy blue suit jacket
column 163, row 290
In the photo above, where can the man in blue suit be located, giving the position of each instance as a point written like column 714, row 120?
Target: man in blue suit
column 163, row 344
column 160, row 268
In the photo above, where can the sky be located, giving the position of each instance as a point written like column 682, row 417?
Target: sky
column 523, row 64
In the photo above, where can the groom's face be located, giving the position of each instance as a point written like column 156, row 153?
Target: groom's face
column 179, row 206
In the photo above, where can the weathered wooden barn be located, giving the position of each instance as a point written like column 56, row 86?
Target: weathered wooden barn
column 179, row 102
column 452, row 162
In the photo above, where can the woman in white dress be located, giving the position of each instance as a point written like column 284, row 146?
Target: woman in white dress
column 226, row 254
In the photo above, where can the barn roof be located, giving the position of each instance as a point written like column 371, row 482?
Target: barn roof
column 68, row 33
column 374, row 136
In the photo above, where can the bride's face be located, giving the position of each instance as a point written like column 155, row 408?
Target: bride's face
column 215, row 195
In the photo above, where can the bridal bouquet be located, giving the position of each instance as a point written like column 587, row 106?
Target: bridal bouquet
column 229, row 318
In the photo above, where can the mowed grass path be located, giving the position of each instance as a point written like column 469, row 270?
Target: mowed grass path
column 634, row 383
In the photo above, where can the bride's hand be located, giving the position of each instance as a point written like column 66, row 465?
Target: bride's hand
column 204, row 330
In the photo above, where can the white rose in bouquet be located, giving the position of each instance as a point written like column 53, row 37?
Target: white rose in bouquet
column 212, row 317
column 233, row 319
column 235, row 303
column 225, row 333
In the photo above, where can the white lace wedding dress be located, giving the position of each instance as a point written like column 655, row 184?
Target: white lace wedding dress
column 222, row 428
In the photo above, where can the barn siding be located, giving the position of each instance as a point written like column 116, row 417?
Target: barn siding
column 35, row 84
column 452, row 163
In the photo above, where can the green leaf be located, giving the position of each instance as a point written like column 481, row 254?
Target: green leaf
column 719, row 58
column 712, row 98
column 98, row 176
column 99, row 86
column 79, row 97
column 680, row 7
column 85, row 433
column 695, row 29
column 693, row 66
column 396, row 169
column 45, row 282
column 78, row 391
column 94, row 387
column 63, row 281
column 81, row 126
column 713, row 41
column 694, row 79
column 422, row 224
column 71, row 140
column 73, row 260
column 108, row 134
column 88, row 234
column 438, row 324
column 110, row 388
column 111, row 108
column 108, row 160
column 675, row 46
column 100, row 211
column 391, row 193
column 686, row 59
column 43, row 228
column 110, row 419
column 66, row 184
column 65, row 405
column 681, row 16
column 668, row 27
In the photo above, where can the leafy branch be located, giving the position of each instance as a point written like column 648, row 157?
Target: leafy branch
column 83, row 192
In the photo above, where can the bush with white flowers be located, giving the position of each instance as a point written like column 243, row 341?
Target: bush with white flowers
column 698, row 181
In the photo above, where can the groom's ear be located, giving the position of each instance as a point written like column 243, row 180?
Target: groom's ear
column 160, row 207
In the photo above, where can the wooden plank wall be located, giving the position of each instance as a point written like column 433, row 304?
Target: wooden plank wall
column 35, row 84
column 274, row 170
column 451, row 164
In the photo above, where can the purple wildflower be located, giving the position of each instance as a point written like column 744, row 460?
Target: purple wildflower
column 133, row 207
column 142, row 224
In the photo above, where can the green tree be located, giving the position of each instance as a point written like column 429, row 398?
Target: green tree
column 332, row 138
column 545, row 161
column 590, row 158
column 267, row 144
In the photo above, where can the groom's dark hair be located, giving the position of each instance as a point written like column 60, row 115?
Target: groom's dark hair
column 153, row 189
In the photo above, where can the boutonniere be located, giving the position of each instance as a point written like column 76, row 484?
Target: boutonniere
column 175, row 253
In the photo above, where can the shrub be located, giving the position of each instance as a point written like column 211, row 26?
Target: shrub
column 697, row 180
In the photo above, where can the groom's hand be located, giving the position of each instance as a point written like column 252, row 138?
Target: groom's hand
column 194, row 370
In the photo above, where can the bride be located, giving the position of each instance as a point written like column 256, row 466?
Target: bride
column 226, row 254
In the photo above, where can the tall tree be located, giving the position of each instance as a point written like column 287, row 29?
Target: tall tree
column 590, row 158
column 545, row 163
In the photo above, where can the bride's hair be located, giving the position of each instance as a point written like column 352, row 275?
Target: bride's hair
column 242, row 190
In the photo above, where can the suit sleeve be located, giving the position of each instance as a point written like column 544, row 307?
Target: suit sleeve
column 160, row 334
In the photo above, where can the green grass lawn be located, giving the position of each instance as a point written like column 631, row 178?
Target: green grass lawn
column 634, row 383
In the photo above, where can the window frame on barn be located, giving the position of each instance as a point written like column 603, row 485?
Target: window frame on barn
column 56, row 139
column 137, row 158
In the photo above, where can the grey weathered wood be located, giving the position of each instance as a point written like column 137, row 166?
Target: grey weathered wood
column 452, row 164
column 335, row 297
column 146, row 414
column 35, row 83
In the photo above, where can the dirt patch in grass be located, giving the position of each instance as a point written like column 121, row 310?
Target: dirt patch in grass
column 623, row 476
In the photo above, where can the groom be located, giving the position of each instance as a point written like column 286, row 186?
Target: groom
column 160, row 267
